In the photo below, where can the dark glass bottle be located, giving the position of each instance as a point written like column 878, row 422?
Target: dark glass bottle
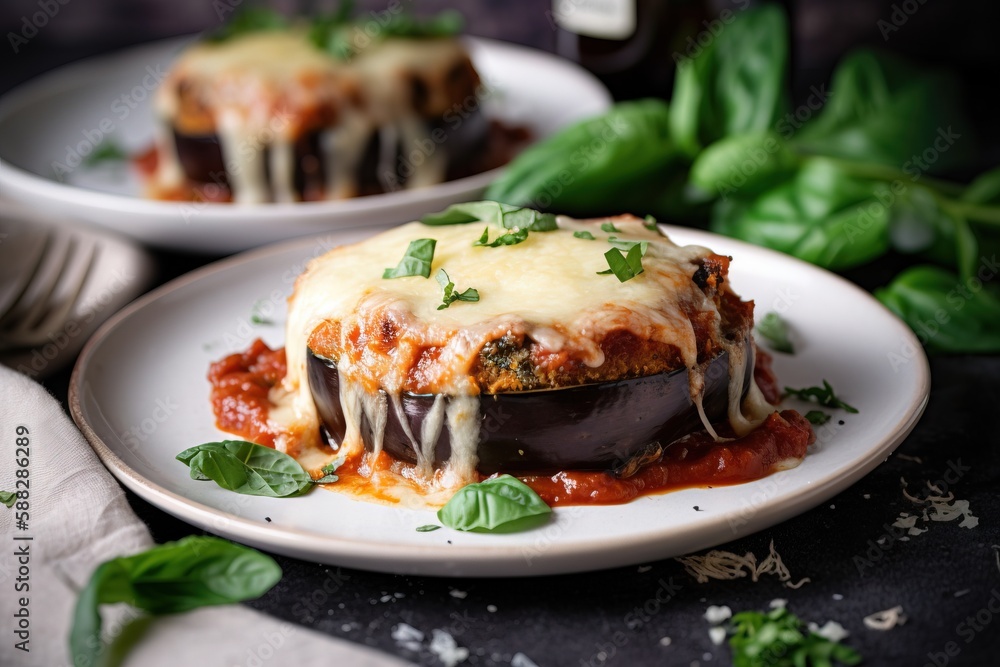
column 628, row 44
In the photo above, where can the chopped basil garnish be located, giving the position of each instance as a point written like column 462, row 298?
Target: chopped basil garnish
column 197, row 571
column 416, row 261
column 246, row 20
column 451, row 295
column 427, row 528
column 625, row 246
column 817, row 417
column 585, row 235
column 106, row 151
column 823, row 395
column 492, row 503
column 493, row 213
column 651, row 223
column 610, row 228
column 774, row 330
column 757, row 636
column 624, row 267
column 249, row 469
column 257, row 317
column 328, row 472
column 507, row 238
column 8, row 498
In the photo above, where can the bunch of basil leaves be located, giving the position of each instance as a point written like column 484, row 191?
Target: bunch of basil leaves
column 837, row 181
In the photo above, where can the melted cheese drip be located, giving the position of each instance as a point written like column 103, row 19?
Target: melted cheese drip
column 255, row 85
column 555, row 296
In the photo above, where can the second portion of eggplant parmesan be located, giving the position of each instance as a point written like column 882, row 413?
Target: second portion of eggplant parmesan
column 268, row 116
column 549, row 321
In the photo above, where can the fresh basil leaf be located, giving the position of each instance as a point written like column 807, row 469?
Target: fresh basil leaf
column 450, row 294
column 247, row 468
column 774, row 330
column 171, row 578
column 610, row 228
column 886, row 111
column 743, row 166
column 106, row 151
column 823, row 215
column 735, row 85
column 416, row 261
column 591, row 165
column 585, row 235
column 8, row 498
column 817, row 417
column 491, row 504
column 428, row 528
column 945, row 312
column 651, row 223
column 247, row 20
column 823, row 395
column 624, row 267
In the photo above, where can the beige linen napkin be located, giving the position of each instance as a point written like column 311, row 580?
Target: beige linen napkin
column 78, row 518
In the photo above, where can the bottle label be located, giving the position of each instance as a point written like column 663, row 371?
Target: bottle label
column 605, row 19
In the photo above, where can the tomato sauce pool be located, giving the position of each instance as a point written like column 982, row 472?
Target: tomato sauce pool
column 241, row 382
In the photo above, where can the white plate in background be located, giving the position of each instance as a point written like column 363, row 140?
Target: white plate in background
column 47, row 119
column 140, row 396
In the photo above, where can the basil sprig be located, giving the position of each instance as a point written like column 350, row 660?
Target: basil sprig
column 817, row 417
column 170, row 578
column 774, row 330
column 823, row 395
column 251, row 469
column 493, row 503
column 451, row 295
column 512, row 237
column 8, row 498
column 416, row 260
column 587, row 236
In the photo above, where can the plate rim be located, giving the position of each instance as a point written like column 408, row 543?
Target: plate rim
column 297, row 542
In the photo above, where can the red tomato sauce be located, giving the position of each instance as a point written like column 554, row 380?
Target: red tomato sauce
column 241, row 382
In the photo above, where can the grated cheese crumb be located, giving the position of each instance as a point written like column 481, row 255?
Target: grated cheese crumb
column 665, row 641
column 778, row 603
column 455, row 593
column 886, row 619
column 444, row 646
column 717, row 635
column 831, row 630
column 521, row 660
column 716, row 615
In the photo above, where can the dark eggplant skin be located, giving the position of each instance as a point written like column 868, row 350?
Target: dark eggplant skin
column 600, row 426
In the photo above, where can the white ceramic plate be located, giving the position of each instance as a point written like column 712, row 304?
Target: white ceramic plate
column 61, row 115
column 140, row 396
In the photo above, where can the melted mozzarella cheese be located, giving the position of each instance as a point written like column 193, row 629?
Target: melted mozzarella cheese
column 254, row 87
column 549, row 288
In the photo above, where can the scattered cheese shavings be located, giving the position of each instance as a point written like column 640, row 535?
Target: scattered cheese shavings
column 407, row 636
column 830, row 630
column 727, row 565
column 444, row 646
column 886, row 619
column 717, row 635
column 455, row 593
column 778, row 603
column 521, row 660
column 937, row 506
column 716, row 615
column 909, row 523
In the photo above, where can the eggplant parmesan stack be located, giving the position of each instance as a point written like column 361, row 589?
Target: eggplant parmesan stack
column 267, row 116
column 522, row 350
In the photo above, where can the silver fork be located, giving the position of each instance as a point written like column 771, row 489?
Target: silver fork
column 50, row 294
